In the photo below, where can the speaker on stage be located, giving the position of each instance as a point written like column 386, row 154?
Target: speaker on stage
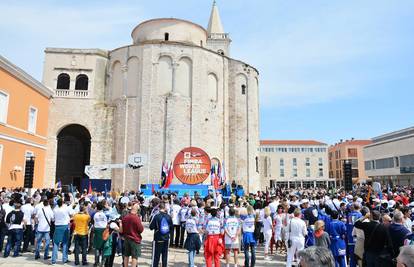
column 347, row 170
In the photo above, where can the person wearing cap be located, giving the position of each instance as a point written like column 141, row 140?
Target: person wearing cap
column 352, row 217
column 15, row 221
column 337, row 231
column 213, row 245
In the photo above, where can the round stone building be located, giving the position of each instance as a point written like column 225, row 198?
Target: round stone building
column 175, row 86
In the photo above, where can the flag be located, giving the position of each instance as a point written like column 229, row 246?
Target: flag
column 214, row 177
column 153, row 189
column 223, row 174
column 163, row 179
column 90, row 188
column 170, row 176
column 58, row 185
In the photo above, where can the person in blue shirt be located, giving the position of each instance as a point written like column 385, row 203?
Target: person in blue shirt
column 337, row 234
column 354, row 215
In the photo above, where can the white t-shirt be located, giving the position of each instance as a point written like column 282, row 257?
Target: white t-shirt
column 267, row 225
column 297, row 229
column 100, row 220
column 408, row 224
column 231, row 226
column 273, row 206
column 191, row 225
column 43, row 226
column 213, row 226
column 248, row 224
column 62, row 215
column 28, row 211
column 183, row 214
column 7, row 208
column 174, row 212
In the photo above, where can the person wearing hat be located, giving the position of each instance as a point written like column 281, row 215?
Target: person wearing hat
column 213, row 245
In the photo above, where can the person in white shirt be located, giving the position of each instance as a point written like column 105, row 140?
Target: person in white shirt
column 296, row 236
column 28, row 234
column 273, row 205
column 232, row 229
column 174, row 213
column 407, row 219
column 267, row 231
column 62, row 214
column 100, row 222
column 44, row 218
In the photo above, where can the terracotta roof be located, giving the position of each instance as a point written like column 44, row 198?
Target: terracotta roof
column 354, row 142
column 290, row 142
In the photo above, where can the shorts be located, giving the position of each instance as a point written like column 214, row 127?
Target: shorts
column 132, row 249
column 232, row 246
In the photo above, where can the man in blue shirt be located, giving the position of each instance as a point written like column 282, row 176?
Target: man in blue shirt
column 354, row 215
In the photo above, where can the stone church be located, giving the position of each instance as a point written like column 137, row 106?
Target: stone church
column 175, row 86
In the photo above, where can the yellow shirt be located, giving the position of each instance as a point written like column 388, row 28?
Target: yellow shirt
column 81, row 222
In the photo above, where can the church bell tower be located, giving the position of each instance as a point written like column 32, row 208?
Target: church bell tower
column 217, row 39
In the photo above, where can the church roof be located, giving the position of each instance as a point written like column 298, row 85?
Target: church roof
column 214, row 24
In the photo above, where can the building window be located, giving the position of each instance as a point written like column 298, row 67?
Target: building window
column 367, row 165
column 282, row 173
column 4, row 106
column 320, row 162
column 32, row 120
column 352, row 152
column 307, row 162
column 81, row 82
column 166, row 36
column 397, row 162
column 320, row 172
column 295, row 172
column 373, row 164
column 257, row 164
column 243, row 87
column 307, row 172
column 354, row 163
column 281, row 162
column 63, row 81
column 384, row 163
column 355, row 173
column 295, row 162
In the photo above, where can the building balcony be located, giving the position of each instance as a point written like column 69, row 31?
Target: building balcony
column 218, row 36
column 72, row 93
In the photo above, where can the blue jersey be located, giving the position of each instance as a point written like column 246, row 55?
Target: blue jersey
column 338, row 230
column 350, row 221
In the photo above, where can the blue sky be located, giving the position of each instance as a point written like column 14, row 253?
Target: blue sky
column 329, row 70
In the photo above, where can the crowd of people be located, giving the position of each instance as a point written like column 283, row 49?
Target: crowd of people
column 309, row 227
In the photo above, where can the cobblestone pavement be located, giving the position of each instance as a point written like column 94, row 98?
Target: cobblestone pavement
column 176, row 257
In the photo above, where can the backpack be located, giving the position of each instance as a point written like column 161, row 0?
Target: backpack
column 164, row 226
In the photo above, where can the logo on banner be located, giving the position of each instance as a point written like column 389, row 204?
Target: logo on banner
column 192, row 165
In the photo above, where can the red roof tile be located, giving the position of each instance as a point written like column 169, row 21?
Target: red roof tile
column 354, row 142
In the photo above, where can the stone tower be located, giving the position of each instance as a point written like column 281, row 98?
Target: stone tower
column 217, row 39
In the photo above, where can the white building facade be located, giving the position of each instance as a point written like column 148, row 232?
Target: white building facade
column 175, row 86
column 294, row 163
column 390, row 158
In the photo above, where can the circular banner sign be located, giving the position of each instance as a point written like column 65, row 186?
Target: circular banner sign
column 192, row 165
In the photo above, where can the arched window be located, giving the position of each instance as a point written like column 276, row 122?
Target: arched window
column 63, row 81
column 243, row 87
column 81, row 82
column 166, row 36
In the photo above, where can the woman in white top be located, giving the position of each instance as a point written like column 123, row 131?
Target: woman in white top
column 267, row 231
column 62, row 215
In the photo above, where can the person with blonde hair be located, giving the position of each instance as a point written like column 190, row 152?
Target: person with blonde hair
column 322, row 238
column 296, row 232
column 267, row 231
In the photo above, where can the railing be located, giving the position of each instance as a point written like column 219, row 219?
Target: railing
column 72, row 93
column 218, row 36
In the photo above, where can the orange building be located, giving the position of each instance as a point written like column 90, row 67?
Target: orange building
column 347, row 150
column 24, row 107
